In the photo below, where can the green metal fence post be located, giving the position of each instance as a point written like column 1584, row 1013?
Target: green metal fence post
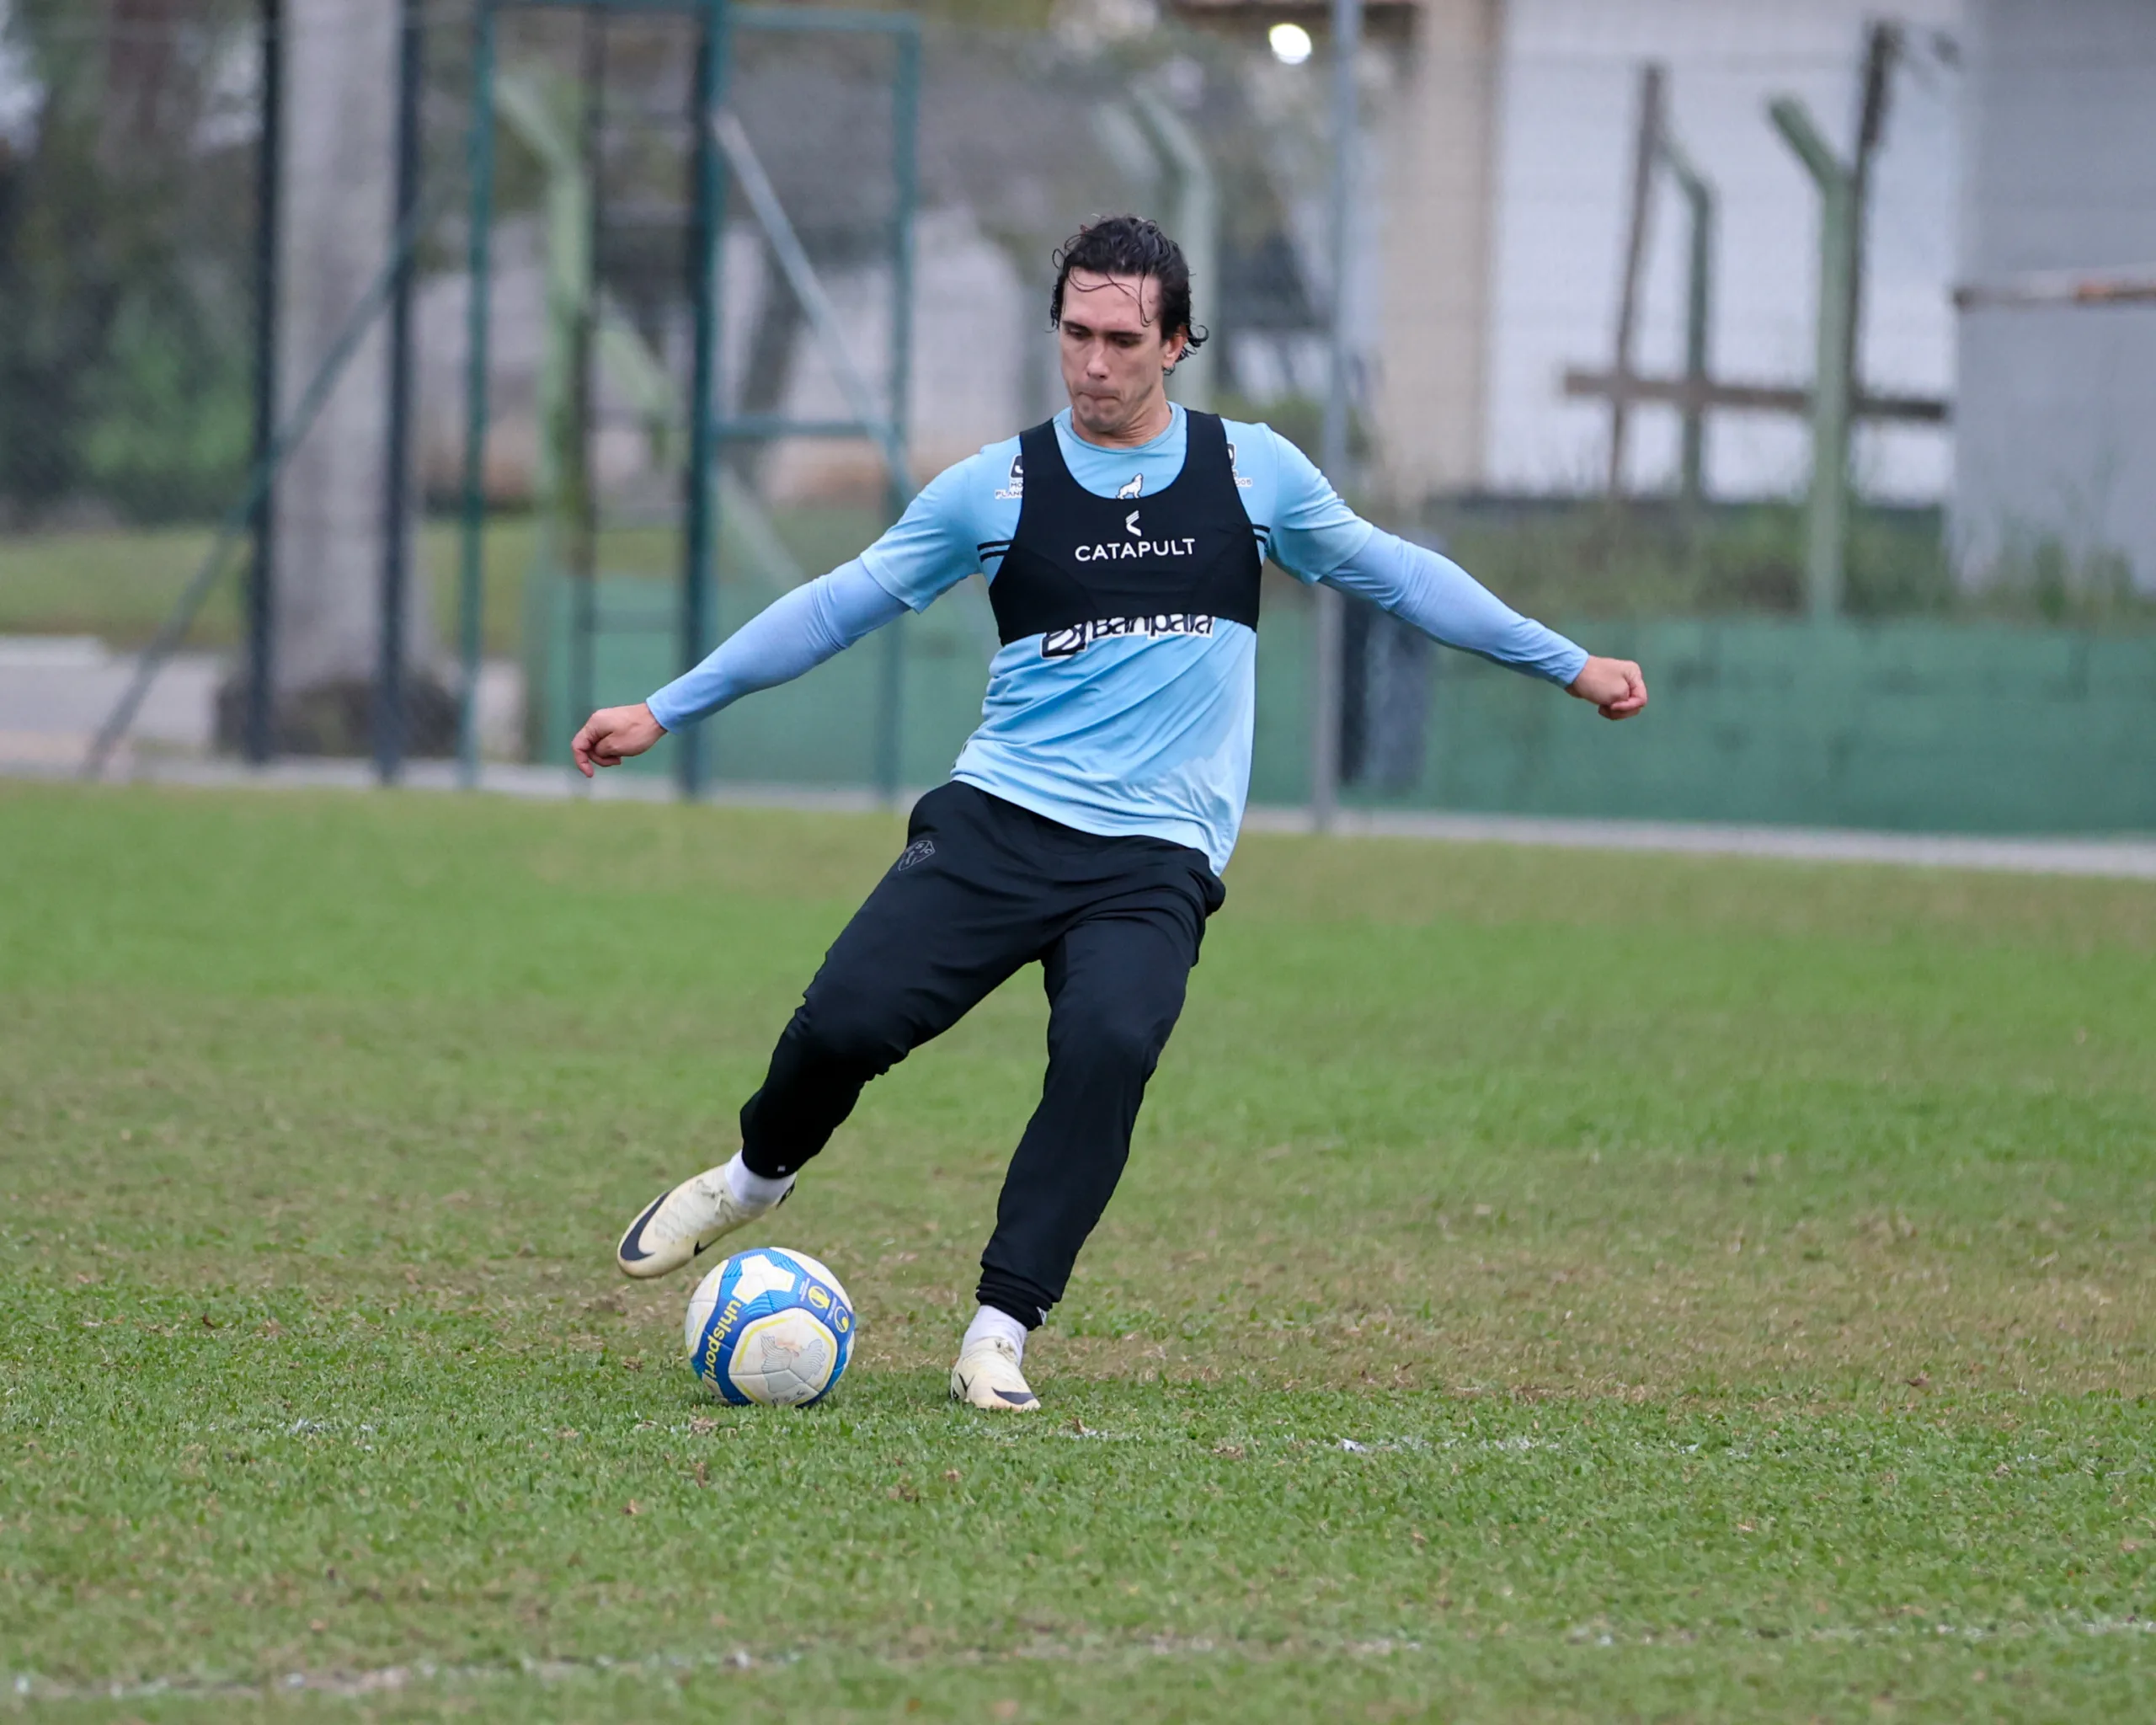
column 1328, row 622
column 1827, row 525
column 579, row 491
column 1699, row 323
column 1699, row 316
column 258, row 736
column 905, row 102
column 390, row 700
column 705, row 242
column 1197, row 217
column 1649, row 130
column 471, row 596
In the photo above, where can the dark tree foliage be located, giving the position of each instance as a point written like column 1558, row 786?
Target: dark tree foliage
column 125, row 227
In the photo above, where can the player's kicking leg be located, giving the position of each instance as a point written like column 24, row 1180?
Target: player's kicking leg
column 681, row 1221
column 1115, row 984
column 918, row 954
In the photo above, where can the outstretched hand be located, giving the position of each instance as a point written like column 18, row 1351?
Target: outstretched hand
column 613, row 734
column 1615, row 686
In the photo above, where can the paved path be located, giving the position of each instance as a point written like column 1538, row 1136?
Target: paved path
column 55, row 690
column 2120, row 858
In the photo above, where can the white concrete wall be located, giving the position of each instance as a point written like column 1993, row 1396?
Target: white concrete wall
column 1568, row 73
column 1433, row 137
column 2058, row 438
column 56, row 691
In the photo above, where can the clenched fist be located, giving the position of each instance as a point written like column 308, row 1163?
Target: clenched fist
column 1615, row 686
column 613, row 734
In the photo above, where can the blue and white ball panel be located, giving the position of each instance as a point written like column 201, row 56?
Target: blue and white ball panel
column 771, row 1327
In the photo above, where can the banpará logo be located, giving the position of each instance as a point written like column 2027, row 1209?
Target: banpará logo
column 920, row 850
column 1068, row 643
column 1015, row 486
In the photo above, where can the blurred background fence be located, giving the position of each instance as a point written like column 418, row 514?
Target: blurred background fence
column 1807, row 354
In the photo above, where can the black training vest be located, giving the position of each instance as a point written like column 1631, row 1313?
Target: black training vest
column 1082, row 568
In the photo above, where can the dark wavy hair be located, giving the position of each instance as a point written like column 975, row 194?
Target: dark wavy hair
column 1130, row 245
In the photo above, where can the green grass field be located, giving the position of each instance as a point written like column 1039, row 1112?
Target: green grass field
column 1548, row 1286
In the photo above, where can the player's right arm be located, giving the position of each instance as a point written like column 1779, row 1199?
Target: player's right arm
column 794, row 634
column 930, row 549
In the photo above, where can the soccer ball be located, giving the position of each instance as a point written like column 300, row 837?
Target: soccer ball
column 770, row 1325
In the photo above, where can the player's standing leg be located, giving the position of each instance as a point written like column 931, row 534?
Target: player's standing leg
column 1115, row 982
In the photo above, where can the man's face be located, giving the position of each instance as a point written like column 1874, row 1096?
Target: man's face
column 1115, row 356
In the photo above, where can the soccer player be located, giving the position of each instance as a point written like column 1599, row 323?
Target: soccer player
column 1089, row 818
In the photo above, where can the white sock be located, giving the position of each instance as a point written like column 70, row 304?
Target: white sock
column 753, row 1190
column 990, row 1323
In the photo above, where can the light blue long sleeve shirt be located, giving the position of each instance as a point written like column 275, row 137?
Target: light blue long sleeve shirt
column 1138, row 735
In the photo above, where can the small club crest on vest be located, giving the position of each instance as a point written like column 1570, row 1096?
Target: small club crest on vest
column 1136, row 485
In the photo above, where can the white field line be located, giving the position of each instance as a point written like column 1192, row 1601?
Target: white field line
column 27, row 1686
column 2127, row 858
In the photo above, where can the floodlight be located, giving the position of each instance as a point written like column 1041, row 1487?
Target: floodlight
column 1291, row 43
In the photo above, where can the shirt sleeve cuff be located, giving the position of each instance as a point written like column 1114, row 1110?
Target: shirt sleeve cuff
column 889, row 583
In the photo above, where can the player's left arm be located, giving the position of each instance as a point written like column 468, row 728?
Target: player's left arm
column 1444, row 602
column 1317, row 537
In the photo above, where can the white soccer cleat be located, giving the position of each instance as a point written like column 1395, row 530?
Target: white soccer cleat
column 987, row 1376
column 678, row 1224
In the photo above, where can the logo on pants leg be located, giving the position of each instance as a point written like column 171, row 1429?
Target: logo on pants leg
column 920, row 850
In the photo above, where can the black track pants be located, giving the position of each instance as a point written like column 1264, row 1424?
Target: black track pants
column 983, row 888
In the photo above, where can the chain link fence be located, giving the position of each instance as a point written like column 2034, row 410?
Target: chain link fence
column 1605, row 412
